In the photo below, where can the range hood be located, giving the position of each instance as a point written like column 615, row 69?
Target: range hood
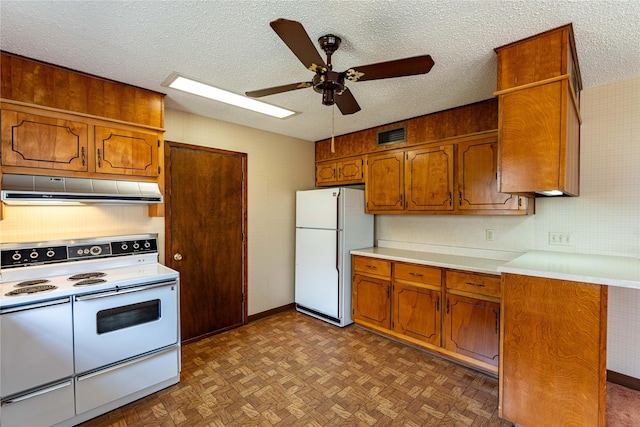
column 54, row 190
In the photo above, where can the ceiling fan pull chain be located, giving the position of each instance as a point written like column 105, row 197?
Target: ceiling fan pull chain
column 333, row 128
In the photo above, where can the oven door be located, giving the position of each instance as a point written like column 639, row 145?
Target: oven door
column 116, row 325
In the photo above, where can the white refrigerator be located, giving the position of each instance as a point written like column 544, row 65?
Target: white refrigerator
column 329, row 224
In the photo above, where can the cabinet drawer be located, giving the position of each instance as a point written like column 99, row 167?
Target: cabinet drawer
column 474, row 283
column 418, row 274
column 377, row 267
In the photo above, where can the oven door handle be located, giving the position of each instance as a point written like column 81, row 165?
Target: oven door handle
column 121, row 291
column 37, row 305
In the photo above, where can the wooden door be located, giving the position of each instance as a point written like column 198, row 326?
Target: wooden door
column 478, row 177
column 429, row 179
column 385, row 183
column 126, row 152
column 416, row 313
column 371, row 301
column 206, row 238
column 472, row 328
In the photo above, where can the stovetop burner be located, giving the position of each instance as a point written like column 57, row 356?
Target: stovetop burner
column 31, row 283
column 89, row 282
column 88, row 276
column 31, row 290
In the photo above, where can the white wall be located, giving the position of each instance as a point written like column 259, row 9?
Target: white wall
column 277, row 167
column 605, row 219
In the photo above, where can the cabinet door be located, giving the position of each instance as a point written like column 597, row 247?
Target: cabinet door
column 371, row 302
column 429, row 178
column 126, row 152
column 416, row 313
column 478, row 177
column 30, row 140
column 385, row 182
column 472, row 328
column 326, row 173
column 350, row 171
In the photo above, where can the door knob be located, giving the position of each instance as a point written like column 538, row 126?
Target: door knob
column 177, row 256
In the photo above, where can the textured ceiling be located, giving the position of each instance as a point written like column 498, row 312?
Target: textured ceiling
column 230, row 44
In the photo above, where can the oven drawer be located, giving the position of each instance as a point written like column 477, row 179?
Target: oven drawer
column 114, row 326
column 104, row 386
column 39, row 408
column 36, row 345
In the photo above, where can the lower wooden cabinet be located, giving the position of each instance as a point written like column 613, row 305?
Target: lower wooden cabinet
column 472, row 328
column 371, row 301
column 452, row 313
column 416, row 313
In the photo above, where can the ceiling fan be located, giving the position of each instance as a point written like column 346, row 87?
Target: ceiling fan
column 331, row 83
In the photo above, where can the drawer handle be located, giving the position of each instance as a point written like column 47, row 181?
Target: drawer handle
column 371, row 266
column 479, row 285
column 415, row 274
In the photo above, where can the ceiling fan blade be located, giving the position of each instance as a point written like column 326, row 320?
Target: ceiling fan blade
column 296, row 38
column 384, row 70
column 346, row 102
column 278, row 89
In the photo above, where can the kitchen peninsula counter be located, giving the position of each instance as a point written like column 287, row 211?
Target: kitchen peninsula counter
column 595, row 269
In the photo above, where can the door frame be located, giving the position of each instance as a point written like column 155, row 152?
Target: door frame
column 167, row 210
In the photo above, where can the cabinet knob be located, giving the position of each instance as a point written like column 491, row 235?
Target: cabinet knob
column 177, row 256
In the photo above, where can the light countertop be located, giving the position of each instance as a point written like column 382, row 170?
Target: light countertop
column 477, row 265
column 597, row 269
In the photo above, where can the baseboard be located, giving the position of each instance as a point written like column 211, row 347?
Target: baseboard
column 268, row 313
column 623, row 380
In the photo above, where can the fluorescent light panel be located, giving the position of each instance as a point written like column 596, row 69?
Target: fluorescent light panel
column 184, row 84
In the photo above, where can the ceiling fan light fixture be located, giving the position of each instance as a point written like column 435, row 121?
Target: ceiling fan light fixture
column 184, row 84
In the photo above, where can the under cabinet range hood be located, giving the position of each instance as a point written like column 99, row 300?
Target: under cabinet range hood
column 54, row 190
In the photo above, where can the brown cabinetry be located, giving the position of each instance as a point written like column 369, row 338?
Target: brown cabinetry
column 51, row 143
column 371, row 292
column 429, row 179
column 472, row 315
column 452, row 313
column 37, row 141
column 346, row 171
column 416, row 302
column 539, row 87
column 126, row 152
column 425, row 179
column 553, row 352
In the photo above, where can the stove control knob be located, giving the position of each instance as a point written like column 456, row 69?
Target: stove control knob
column 177, row 256
column 16, row 257
column 33, row 255
column 136, row 245
column 50, row 253
column 147, row 245
column 95, row 250
column 79, row 251
column 124, row 247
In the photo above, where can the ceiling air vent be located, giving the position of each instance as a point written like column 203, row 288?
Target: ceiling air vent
column 392, row 136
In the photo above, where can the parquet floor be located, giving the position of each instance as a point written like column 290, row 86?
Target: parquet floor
column 294, row 370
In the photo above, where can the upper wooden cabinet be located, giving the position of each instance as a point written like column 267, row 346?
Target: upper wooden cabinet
column 343, row 172
column 429, row 178
column 539, row 87
column 36, row 141
column 385, row 182
column 126, row 152
column 477, row 179
column 458, row 177
column 50, row 143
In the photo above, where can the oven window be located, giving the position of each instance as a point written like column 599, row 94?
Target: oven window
column 125, row 316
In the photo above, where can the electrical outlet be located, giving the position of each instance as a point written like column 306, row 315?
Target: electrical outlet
column 489, row 234
column 560, row 239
